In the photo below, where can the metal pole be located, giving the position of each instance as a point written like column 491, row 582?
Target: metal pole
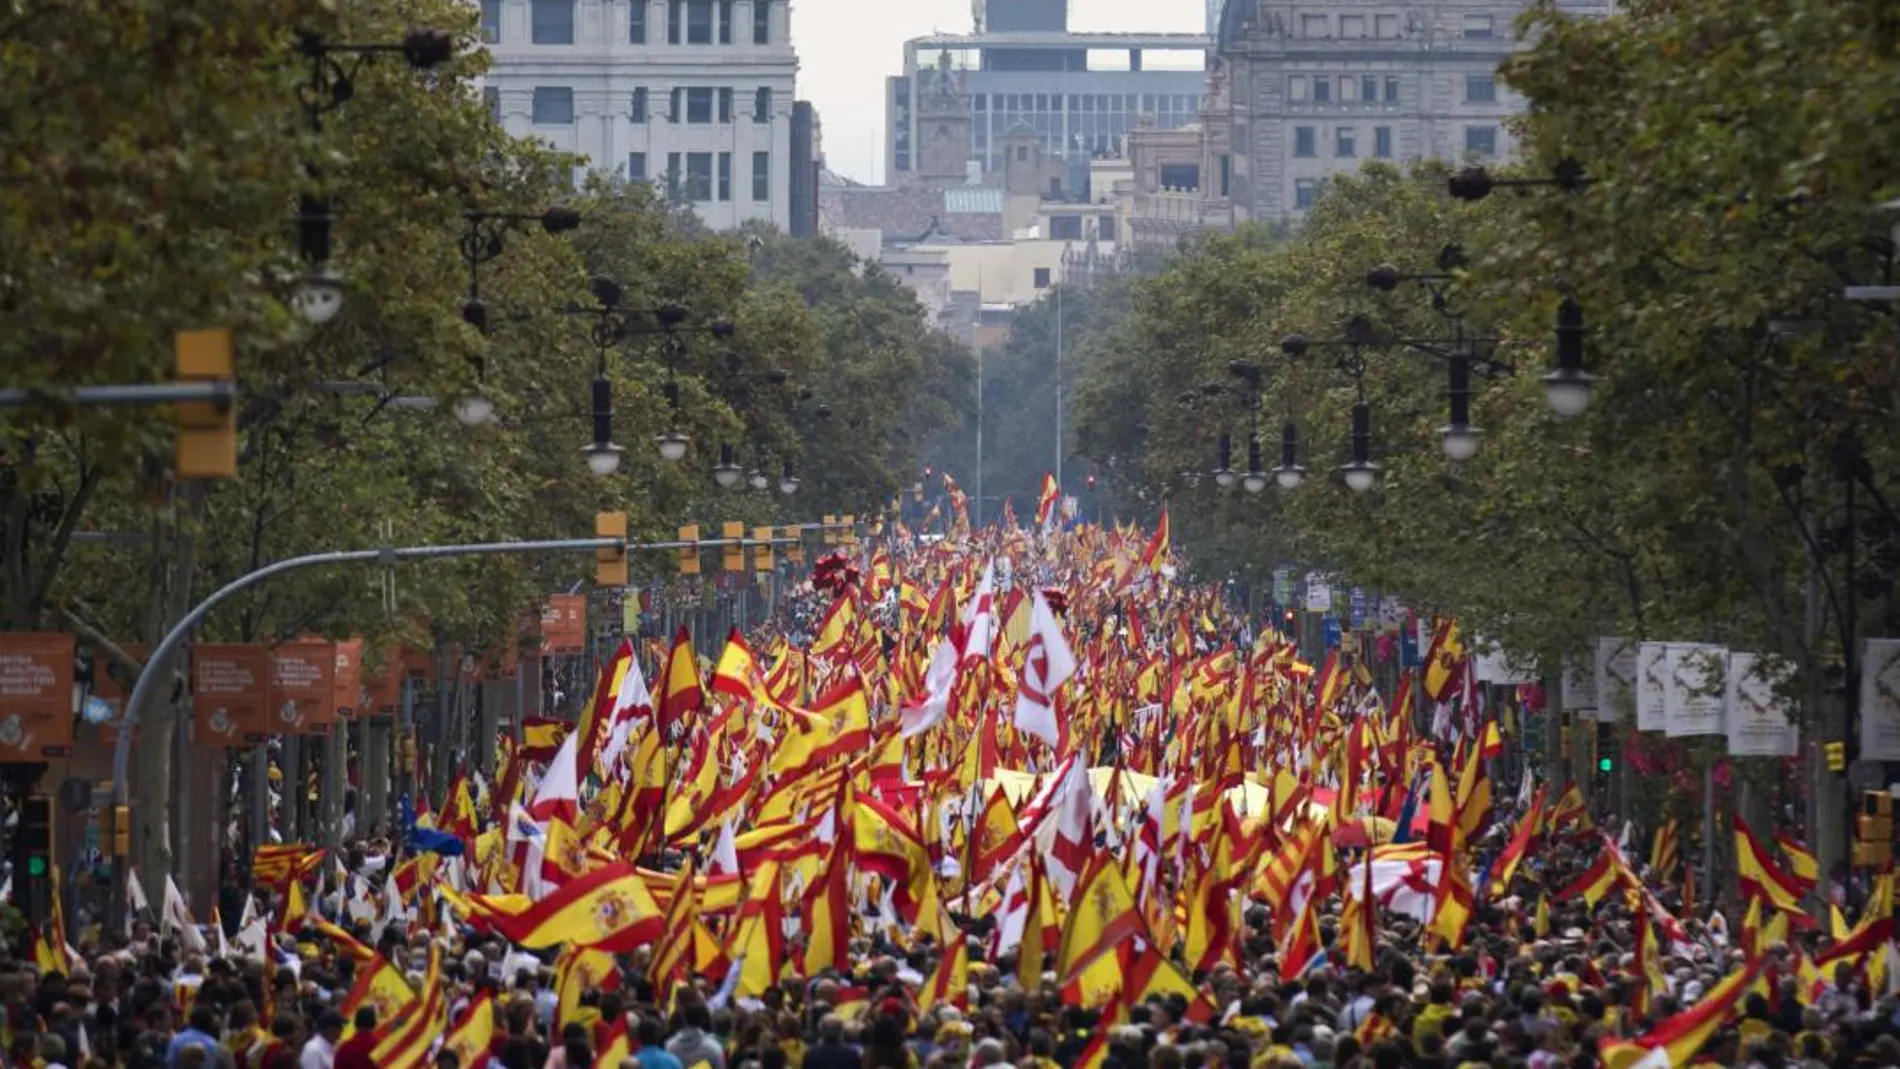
column 114, row 394
column 977, row 520
column 1058, row 393
column 161, row 653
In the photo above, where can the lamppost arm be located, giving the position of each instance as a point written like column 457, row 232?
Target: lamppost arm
column 148, row 676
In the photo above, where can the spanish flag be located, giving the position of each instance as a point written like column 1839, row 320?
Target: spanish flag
column 476, row 1034
column 1677, row 1040
column 1155, row 555
column 404, row 1043
column 609, row 908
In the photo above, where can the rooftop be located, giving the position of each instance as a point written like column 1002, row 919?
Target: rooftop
column 1157, row 41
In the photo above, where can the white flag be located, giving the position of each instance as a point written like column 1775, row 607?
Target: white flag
column 1048, row 663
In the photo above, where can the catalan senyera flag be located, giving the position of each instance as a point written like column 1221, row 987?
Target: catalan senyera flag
column 277, row 863
column 403, row 1043
column 673, row 954
column 1663, row 850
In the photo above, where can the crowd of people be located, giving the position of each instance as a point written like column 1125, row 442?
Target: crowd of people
column 1541, row 975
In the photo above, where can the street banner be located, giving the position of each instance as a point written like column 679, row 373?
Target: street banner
column 303, row 687
column 1695, row 687
column 1759, row 724
column 230, row 687
column 1615, row 679
column 1880, row 700
column 36, row 695
column 1651, row 685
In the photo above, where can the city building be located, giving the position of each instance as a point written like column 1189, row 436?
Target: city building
column 1081, row 93
column 1316, row 89
column 697, row 96
column 1213, row 16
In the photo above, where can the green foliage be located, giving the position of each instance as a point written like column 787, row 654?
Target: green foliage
column 154, row 159
column 1689, row 500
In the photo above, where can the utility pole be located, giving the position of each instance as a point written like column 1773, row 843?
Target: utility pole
column 1059, row 289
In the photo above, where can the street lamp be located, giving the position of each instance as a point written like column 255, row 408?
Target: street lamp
column 788, row 482
column 1289, row 474
column 1460, row 436
column 1255, row 480
column 726, row 473
column 603, row 456
column 1360, row 473
column 1568, row 386
column 484, row 238
column 672, row 446
column 1223, row 471
column 758, row 480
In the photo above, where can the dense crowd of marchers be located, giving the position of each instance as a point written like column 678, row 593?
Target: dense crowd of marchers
column 1007, row 797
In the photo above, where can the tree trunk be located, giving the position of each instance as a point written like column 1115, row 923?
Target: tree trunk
column 173, row 564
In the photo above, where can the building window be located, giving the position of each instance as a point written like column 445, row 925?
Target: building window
column 1369, row 88
column 1382, row 142
column 551, row 22
column 491, row 99
column 1388, row 25
column 491, row 21
column 762, row 104
column 1042, row 278
column 761, row 22
column 673, row 179
column 1105, row 228
column 1479, row 27
column 1305, row 141
column 1180, row 176
column 1481, row 141
column 1022, row 153
column 1391, row 89
column 1316, row 26
column 725, row 104
column 725, row 176
column 699, row 176
column 1348, row 90
column 675, row 18
column 1352, row 25
column 636, row 166
column 1297, row 89
column 725, row 22
column 1323, row 89
column 699, row 105
column 699, row 22
column 1226, row 174
column 638, row 109
column 553, row 105
column 1065, row 227
column 1305, row 193
column 1346, row 142
column 761, row 176
column 637, row 22
column 1481, row 89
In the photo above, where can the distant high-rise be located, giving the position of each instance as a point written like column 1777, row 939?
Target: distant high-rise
column 1213, row 16
column 1022, row 16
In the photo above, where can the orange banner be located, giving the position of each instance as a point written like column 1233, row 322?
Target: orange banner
column 36, row 696
column 351, row 695
column 230, row 688
column 564, row 623
column 303, row 687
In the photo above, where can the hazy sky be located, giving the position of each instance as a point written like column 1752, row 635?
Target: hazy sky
column 846, row 48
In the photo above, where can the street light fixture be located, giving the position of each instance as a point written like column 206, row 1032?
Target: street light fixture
column 1224, row 471
column 1360, row 473
column 788, row 482
column 603, row 456
column 1568, row 386
column 726, row 473
column 758, row 480
column 672, row 446
column 1255, row 480
column 1460, row 436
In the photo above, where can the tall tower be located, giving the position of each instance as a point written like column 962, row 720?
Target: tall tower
column 1023, row 16
column 1213, row 16
column 943, row 123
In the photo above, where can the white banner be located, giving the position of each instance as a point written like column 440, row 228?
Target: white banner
column 1496, row 666
column 1652, row 684
column 1880, row 700
column 1580, row 688
column 1695, row 688
column 1319, row 593
column 1615, row 678
column 1756, row 712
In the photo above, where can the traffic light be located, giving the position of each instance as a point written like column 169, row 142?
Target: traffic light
column 610, row 562
column 207, row 430
column 732, row 553
column 119, row 831
column 762, row 549
column 795, row 552
column 689, row 553
column 1606, row 750
column 830, row 530
column 36, row 835
column 1091, row 482
column 849, row 536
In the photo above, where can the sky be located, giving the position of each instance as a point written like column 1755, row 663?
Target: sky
column 846, row 48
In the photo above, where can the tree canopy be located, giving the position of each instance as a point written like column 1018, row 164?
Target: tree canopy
column 1709, row 250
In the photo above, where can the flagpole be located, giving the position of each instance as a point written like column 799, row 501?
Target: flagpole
column 1059, row 289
